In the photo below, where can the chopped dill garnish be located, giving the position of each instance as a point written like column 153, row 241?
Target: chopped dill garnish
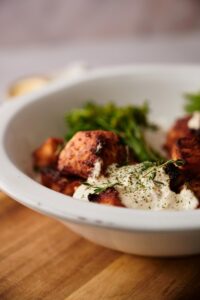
column 100, row 189
column 147, row 170
column 152, row 167
column 158, row 182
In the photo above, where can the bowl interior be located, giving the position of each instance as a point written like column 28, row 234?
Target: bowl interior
column 44, row 116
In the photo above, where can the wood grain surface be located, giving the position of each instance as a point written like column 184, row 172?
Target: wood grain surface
column 41, row 259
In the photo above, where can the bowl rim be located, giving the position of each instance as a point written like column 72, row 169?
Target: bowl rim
column 20, row 187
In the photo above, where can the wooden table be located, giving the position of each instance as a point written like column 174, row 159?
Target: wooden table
column 42, row 259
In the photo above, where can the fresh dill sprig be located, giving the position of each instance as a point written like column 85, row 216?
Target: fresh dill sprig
column 148, row 170
column 158, row 182
column 152, row 167
column 100, row 189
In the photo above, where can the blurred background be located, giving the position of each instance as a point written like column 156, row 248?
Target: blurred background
column 38, row 36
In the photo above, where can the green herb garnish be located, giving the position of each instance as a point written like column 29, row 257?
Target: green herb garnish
column 148, row 170
column 192, row 102
column 128, row 122
column 100, row 189
column 151, row 168
column 146, row 165
column 158, row 182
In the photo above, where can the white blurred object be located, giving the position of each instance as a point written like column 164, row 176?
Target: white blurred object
column 18, row 62
column 30, row 84
column 73, row 70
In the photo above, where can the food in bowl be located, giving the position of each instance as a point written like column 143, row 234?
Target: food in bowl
column 106, row 158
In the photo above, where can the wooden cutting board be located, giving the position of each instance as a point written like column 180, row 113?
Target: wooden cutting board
column 41, row 259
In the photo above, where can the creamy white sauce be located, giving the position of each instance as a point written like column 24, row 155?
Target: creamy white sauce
column 137, row 190
column 194, row 122
column 99, row 147
column 97, row 168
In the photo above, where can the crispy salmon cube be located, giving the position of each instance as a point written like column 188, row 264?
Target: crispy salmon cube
column 89, row 150
column 176, row 176
column 47, row 154
column 179, row 130
column 194, row 185
column 108, row 197
column 52, row 179
column 188, row 149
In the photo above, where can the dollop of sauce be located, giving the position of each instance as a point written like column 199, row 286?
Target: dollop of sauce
column 139, row 188
column 97, row 168
column 194, row 122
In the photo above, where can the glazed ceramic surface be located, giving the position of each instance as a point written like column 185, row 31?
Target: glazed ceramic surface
column 25, row 123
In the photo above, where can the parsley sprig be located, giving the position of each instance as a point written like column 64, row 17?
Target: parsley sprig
column 192, row 102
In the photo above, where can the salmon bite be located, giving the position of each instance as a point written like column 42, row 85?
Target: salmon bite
column 107, row 158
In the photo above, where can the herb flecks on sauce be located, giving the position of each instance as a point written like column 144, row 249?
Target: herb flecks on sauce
column 144, row 186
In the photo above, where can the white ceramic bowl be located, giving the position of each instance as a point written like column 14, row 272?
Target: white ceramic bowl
column 25, row 123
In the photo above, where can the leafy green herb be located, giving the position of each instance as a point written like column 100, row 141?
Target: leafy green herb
column 192, row 102
column 158, row 182
column 148, row 170
column 177, row 162
column 151, row 167
column 146, row 165
column 98, row 189
column 128, row 122
column 152, row 175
